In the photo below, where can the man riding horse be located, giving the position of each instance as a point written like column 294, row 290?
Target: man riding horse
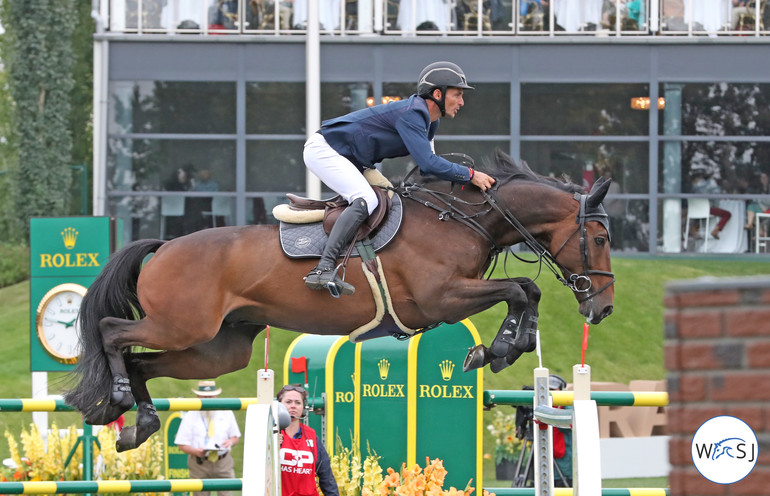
column 344, row 147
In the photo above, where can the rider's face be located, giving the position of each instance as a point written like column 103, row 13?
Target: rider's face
column 453, row 101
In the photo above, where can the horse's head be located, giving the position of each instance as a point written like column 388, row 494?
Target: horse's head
column 581, row 248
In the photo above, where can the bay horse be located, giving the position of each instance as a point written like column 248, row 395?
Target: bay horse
column 201, row 299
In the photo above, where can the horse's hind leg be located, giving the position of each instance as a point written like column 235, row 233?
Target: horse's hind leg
column 112, row 329
column 230, row 350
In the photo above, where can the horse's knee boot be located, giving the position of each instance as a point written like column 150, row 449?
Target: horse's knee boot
column 526, row 339
column 324, row 275
column 505, row 338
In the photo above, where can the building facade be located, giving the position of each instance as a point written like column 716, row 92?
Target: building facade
column 203, row 123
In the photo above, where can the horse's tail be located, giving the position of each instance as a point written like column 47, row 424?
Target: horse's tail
column 112, row 294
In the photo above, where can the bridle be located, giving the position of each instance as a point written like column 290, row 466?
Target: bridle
column 579, row 283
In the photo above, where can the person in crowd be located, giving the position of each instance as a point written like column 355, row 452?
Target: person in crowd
column 181, row 179
column 199, row 207
column 760, row 205
column 303, row 457
column 340, row 151
column 706, row 184
column 207, row 436
column 740, row 8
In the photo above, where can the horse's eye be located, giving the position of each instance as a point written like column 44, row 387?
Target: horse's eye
column 600, row 241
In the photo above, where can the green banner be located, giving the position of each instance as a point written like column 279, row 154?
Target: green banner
column 406, row 400
column 66, row 255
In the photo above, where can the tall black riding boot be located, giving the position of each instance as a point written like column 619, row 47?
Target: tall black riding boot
column 342, row 234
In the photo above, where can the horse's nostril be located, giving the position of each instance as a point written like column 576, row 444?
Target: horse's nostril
column 607, row 311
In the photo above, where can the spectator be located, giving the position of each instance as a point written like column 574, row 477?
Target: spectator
column 207, row 437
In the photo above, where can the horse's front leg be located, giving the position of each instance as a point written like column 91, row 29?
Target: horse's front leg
column 517, row 332
column 516, row 338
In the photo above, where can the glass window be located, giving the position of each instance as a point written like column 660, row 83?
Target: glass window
column 342, row 98
column 629, row 223
column 582, row 109
column 275, row 108
column 584, row 162
column 487, row 109
column 172, row 107
column 715, row 109
column 275, row 166
column 733, row 166
column 153, row 165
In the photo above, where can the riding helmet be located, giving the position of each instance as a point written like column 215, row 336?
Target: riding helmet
column 441, row 75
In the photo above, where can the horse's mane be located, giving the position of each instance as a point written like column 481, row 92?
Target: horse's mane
column 504, row 168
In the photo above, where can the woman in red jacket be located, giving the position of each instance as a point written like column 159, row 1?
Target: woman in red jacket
column 303, row 456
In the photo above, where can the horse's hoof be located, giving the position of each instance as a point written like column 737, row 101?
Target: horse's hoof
column 126, row 439
column 476, row 358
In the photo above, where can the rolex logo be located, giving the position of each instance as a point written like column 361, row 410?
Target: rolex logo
column 447, row 367
column 69, row 236
column 384, row 367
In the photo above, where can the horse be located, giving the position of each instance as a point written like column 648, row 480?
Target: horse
column 195, row 308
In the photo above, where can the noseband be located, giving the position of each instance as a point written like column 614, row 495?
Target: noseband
column 579, row 283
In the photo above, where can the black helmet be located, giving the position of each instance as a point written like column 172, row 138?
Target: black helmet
column 556, row 382
column 441, row 75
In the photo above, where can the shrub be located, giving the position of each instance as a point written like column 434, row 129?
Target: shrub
column 14, row 263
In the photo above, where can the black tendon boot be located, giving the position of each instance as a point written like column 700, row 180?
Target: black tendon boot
column 323, row 276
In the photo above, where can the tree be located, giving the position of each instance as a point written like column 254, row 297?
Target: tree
column 40, row 65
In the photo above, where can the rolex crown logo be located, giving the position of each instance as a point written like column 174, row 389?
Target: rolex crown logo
column 384, row 367
column 70, row 236
column 447, row 367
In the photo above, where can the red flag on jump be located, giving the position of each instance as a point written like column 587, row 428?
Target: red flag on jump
column 299, row 365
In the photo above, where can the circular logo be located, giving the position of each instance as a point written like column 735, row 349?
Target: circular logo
column 302, row 242
column 724, row 449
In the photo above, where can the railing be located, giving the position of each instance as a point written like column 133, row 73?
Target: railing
column 438, row 17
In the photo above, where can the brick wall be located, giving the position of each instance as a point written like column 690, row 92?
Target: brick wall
column 717, row 353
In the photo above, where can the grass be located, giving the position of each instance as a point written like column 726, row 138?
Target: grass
column 627, row 346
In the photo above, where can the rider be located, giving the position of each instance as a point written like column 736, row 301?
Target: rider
column 340, row 151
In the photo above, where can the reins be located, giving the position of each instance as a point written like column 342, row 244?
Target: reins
column 446, row 205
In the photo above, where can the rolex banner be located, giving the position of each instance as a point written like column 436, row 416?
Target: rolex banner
column 66, row 255
column 404, row 400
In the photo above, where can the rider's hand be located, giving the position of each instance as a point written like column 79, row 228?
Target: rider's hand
column 483, row 181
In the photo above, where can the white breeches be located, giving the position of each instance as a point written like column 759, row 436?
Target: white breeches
column 337, row 172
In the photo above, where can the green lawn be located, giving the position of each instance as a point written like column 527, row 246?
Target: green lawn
column 627, row 346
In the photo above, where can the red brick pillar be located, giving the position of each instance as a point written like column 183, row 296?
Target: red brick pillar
column 717, row 354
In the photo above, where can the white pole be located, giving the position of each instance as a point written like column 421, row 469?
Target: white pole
column 542, row 439
column 586, row 459
column 312, row 88
column 40, row 392
column 100, row 103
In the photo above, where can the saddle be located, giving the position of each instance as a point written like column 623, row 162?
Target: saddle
column 333, row 207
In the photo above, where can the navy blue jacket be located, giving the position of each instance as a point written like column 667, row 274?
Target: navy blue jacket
column 395, row 129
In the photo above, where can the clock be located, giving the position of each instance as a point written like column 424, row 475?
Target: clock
column 57, row 322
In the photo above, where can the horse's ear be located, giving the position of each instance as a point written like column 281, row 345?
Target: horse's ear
column 598, row 192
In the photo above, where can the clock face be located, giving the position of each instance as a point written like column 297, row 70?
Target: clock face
column 57, row 321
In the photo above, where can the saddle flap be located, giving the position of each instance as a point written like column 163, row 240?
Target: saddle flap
column 370, row 224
